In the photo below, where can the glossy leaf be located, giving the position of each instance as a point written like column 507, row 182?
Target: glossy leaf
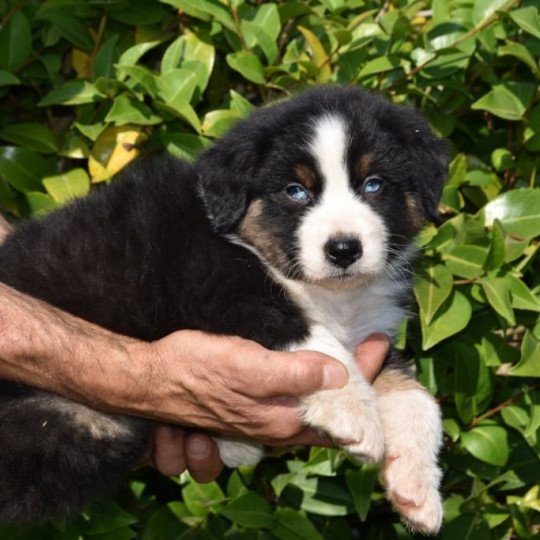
column 15, row 42
column 36, row 137
column 249, row 510
column 453, row 317
column 517, row 210
column 487, row 442
column 70, row 185
column 432, row 288
column 248, row 65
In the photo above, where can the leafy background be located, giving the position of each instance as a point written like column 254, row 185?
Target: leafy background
column 86, row 85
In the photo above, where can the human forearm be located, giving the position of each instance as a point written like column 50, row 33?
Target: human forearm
column 47, row 348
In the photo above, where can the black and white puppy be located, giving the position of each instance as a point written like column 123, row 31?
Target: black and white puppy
column 295, row 230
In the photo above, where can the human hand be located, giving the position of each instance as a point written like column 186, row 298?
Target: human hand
column 174, row 450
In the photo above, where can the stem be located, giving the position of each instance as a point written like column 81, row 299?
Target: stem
column 501, row 406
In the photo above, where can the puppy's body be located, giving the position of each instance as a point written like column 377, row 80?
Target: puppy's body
column 285, row 222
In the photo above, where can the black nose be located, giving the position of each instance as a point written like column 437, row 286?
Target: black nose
column 343, row 251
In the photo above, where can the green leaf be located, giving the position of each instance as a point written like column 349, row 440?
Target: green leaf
column 72, row 93
column 519, row 51
column 361, row 483
column 8, row 79
column 201, row 499
column 105, row 58
column 66, row 22
column 484, row 9
column 211, row 8
column 257, row 35
column 529, row 364
column 267, row 17
column 527, row 19
column 433, row 286
column 497, row 249
column 454, row 316
column 292, row 525
column 140, row 75
column 22, row 168
column 487, row 442
column 498, row 294
column 40, row 203
column 324, row 496
column 466, row 261
column 249, row 510
column 522, row 297
column 176, row 87
column 34, row 137
column 184, row 145
column 126, row 110
column 190, row 52
column 518, row 211
column 507, row 100
column 248, row 65
column 216, row 123
column 379, row 65
column 132, row 55
column 15, row 42
column 67, row 186
column 473, row 388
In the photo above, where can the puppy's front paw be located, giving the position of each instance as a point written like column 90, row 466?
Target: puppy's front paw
column 235, row 453
column 412, row 488
column 350, row 418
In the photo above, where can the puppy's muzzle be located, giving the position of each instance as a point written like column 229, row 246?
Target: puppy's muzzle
column 343, row 251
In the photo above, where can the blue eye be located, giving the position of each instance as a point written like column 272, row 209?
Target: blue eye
column 297, row 193
column 372, row 185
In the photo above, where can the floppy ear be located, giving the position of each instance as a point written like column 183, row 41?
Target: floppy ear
column 432, row 157
column 224, row 175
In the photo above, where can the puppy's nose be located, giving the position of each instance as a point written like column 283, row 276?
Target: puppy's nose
column 343, row 251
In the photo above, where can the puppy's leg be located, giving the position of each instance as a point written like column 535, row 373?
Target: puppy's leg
column 349, row 415
column 411, row 421
column 234, row 453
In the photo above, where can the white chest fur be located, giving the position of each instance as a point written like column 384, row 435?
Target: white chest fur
column 350, row 315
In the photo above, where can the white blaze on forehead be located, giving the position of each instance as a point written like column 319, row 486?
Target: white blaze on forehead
column 339, row 211
column 329, row 148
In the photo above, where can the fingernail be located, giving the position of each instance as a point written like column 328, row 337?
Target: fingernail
column 334, row 376
column 198, row 447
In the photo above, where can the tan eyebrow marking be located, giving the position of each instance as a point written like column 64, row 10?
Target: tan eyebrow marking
column 363, row 164
column 305, row 176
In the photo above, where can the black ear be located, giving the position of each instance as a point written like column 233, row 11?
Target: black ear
column 431, row 158
column 224, row 176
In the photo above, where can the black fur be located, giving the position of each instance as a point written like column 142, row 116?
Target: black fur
column 142, row 259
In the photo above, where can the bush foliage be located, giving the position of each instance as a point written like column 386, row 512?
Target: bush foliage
column 86, row 85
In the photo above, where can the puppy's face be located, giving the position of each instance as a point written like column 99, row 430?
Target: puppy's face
column 332, row 191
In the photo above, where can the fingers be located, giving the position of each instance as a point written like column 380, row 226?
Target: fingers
column 202, row 457
column 371, row 353
column 169, row 455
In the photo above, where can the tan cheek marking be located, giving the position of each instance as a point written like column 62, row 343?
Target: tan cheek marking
column 413, row 210
column 305, row 176
column 253, row 231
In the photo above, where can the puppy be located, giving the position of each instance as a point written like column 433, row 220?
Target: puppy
column 301, row 217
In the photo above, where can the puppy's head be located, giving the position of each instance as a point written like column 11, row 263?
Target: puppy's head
column 328, row 187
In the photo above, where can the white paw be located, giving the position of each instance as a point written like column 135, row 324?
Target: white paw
column 235, row 453
column 350, row 418
column 412, row 488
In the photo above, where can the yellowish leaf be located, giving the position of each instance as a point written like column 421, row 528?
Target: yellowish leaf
column 81, row 63
column 113, row 150
column 320, row 57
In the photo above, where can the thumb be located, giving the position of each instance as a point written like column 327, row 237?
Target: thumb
column 371, row 354
column 300, row 373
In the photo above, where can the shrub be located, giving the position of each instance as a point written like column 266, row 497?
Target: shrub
column 87, row 85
